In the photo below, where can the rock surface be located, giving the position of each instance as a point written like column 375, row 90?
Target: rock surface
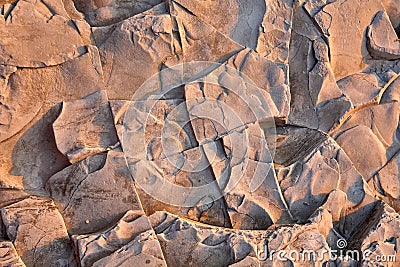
column 131, row 240
column 199, row 132
column 103, row 181
column 8, row 255
column 37, row 230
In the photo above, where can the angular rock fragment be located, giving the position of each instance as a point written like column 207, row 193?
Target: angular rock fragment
column 360, row 88
column 37, row 230
column 183, row 184
column 382, row 39
column 187, row 243
column 147, row 41
column 8, row 255
column 346, row 37
column 94, row 193
column 85, row 127
column 295, row 143
column 47, row 38
column 393, row 11
column 373, row 128
column 245, row 89
column 316, row 100
column 378, row 238
column 101, row 13
column 386, row 182
column 306, row 184
column 262, row 25
column 251, row 191
column 130, row 240
column 28, row 107
column 392, row 92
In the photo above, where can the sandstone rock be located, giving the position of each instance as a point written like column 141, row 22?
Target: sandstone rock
column 183, row 184
column 386, row 183
column 306, row 184
column 165, row 41
column 9, row 196
column 187, row 243
column 260, row 25
column 24, row 155
column 94, row 193
column 237, row 88
column 251, row 191
column 345, row 37
column 295, row 143
column 382, row 39
column 100, row 13
column 316, row 100
column 8, row 255
column 392, row 9
column 131, row 239
column 378, row 237
column 37, row 230
column 48, row 38
column 360, row 88
column 376, row 126
column 143, row 250
column 85, row 127
column 154, row 129
column 392, row 92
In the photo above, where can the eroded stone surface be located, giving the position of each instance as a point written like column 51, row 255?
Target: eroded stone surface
column 28, row 144
column 47, row 38
column 37, row 230
column 101, row 13
column 8, row 255
column 325, row 169
column 99, row 181
column 186, row 243
column 382, row 39
column 262, row 25
column 130, row 240
column 84, row 127
column 379, row 236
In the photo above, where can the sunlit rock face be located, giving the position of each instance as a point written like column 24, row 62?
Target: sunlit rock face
column 199, row 133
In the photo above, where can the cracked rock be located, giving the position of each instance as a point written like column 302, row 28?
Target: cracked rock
column 382, row 39
column 37, row 230
column 49, row 37
column 378, row 237
column 102, row 13
column 306, row 184
column 27, row 106
column 187, row 243
column 99, row 181
column 8, row 255
column 262, row 25
column 85, row 127
column 159, row 183
column 131, row 240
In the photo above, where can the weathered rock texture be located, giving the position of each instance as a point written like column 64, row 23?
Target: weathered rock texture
column 199, row 133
